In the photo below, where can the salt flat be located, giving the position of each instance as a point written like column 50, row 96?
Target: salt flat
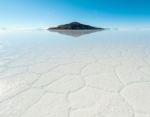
column 103, row 74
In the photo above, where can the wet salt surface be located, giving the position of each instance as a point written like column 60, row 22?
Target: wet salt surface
column 103, row 74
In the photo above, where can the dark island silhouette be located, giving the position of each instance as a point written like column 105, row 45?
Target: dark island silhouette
column 75, row 29
column 75, row 26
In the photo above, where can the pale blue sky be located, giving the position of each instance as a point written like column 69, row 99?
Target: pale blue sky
column 44, row 13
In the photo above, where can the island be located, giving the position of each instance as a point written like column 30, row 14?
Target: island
column 75, row 26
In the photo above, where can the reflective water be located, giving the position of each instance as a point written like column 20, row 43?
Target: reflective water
column 75, row 33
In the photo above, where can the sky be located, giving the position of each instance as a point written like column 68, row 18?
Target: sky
column 102, row 13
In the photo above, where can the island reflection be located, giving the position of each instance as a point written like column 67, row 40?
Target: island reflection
column 75, row 33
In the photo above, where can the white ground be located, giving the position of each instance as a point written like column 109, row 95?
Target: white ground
column 105, row 80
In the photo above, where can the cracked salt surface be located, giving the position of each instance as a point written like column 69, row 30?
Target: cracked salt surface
column 105, row 74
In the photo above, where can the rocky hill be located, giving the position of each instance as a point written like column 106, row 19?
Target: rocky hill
column 75, row 26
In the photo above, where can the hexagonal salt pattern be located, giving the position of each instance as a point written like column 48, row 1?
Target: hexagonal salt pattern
column 101, row 75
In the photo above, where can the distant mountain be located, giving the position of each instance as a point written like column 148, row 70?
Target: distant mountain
column 3, row 28
column 75, row 26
